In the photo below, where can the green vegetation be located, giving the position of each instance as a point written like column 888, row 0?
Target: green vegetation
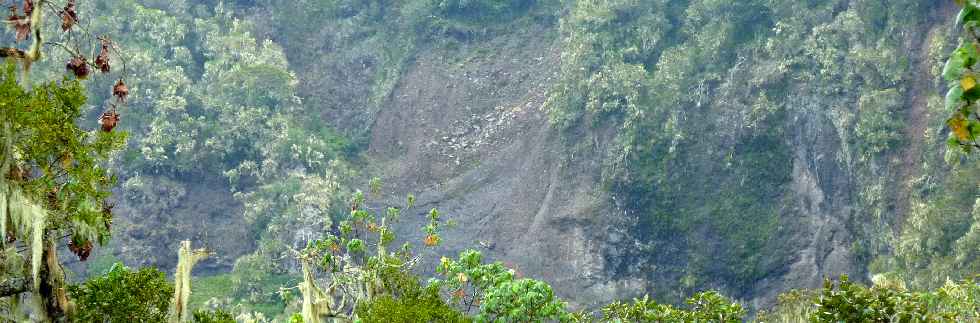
column 217, row 104
column 705, row 307
column 357, row 273
column 705, row 98
column 406, row 301
column 499, row 293
column 887, row 301
column 217, row 316
column 123, row 295
column 959, row 72
column 940, row 232
column 51, row 186
column 729, row 124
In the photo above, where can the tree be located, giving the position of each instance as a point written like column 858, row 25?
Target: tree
column 123, row 295
column 356, row 273
column 53, row 188
column 500, row 295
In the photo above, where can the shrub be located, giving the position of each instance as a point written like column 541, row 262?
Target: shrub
column 122, row 295
column 216, row 316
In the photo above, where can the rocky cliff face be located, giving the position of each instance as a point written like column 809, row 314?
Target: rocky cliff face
column 471, row 139
column 466, row 132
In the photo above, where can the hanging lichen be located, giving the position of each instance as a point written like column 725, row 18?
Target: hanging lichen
column 5, row 160
column 29, row 220
column 4, row 191
column 186, row 259
column 316, row 304
column 38, row 222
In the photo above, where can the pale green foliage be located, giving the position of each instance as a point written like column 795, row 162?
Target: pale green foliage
column 886, row 301
column 38, row 225
column 218, row 316
column 249, row 317
column 877, row 129
column 703, row 307
column 215, row 120
column 375, row 186
column 938, row 236
column 602, row 67
column 795, row 306
column 214, row 101
column 499, row 293
column 938, row 239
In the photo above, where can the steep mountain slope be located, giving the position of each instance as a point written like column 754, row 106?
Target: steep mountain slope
column 611, row 148
column 469, row 137
column 469, row 129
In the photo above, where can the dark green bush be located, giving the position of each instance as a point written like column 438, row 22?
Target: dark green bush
column 405, row 300
column 481, row 8
column 889, row 301
column 122, row 295
column 849, row 302
column 704, row 307
column 216, row 316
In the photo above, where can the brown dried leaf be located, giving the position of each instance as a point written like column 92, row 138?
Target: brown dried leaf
column 120, row 91
column 109, row 120
column 431, row 240
column 102, row 61
column 21, row 24
column 23, row 29
column 28, row 7
column 68, row 16
column 78, row 65
column 82, row 250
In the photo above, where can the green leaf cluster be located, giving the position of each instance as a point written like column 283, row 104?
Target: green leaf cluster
column 216, row 316
column 704, row 307
column 501, row 295
column 123, row 295
column 845, row 301
column 960, row 73
column 58, row 163
column 405, row 300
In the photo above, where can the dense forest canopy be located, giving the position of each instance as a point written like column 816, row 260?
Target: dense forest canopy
column 490, row 160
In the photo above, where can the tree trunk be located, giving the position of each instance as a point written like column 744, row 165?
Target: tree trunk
column 52, row 288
